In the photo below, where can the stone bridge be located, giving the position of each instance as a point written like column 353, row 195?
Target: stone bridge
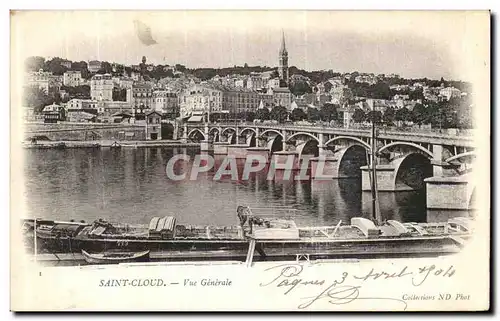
column 441, row 162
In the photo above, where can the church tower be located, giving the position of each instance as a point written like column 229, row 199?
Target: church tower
column 283, row 61
column 142, row 66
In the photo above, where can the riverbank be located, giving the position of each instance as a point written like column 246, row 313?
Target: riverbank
column 107, row 144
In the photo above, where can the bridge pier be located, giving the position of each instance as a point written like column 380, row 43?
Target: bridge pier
column 185, row 133
column 206, row 145
column 238, row 151
column 285, row 160
column 175, row 135
column 409, row 162
column 344, row 162
column 385, row 179
column 220, row 148
column 445, row 190
column 261, row 151
column 451, row 193
column 437, row 166
column 403, row 173
column 324, row 167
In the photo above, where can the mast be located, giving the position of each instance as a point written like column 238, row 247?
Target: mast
column 34, row 240
column 208, row 117
column 375, row 203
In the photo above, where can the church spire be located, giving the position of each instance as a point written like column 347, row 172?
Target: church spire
column 283, row 61
column 283, row 46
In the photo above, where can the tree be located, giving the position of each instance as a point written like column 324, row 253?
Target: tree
column 119, row 71
column 82, row 67
column 435, row 115
column 106, row 68
column 298, row 88
column 279, row 113
column 262, row 114
column 328, row 112
column 214, row 117
column 35, row 97
column 449, row 112
column 128, row 71
column 313, row 114
column 167, row 131
column 358, row 116
column 54, row 66
column 82, row 92
column 249, row 116
column 465, row 113
column 419, row 115
column 374, row 116
column 380, row 90
column 298, row 114
column 119, row 94
column 328, row 86
column 389, row 116
column 204, row 73
column 180, row 68
column 416, row 94
column 246, row 116
column 403, row 115
column 34, row 63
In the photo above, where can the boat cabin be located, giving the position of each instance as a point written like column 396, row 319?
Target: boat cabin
column 162, row 228
column 459, row 225
column 276, row 229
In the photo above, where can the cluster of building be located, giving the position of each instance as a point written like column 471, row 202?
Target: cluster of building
column 187, row 97
column 44, row 80
column 183, row 96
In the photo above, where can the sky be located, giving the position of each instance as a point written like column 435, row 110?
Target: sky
column 412, row 44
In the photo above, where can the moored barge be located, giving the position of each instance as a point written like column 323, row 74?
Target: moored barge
column 271, row 238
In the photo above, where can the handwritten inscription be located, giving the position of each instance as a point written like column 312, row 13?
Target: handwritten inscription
column 417, row 278
column 345, row 287
column 208, row 282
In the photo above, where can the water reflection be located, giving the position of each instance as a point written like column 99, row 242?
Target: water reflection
column 131, row 185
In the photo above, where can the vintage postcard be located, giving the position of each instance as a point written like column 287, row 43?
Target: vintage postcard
column 250, row 160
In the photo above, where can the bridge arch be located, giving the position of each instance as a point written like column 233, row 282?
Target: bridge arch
column 275, row 144
column 357, row 140
column 213, row 129
column 411, row 170
column 228, row 128
column 250, row 137
column 251, row 140
column 416, row 146
column 350, row 161
column 271, row 131
column 459, row 156
column 303, row 134
column 231, row 138
column 248, row 128
column 196, row 130
column 309, row 148
column 215, row 133
column 471, row 199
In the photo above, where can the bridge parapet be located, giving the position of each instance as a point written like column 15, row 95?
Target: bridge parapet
column 454, row 137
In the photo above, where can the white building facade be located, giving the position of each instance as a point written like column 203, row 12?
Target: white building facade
column 72, row 78
column 101, row 87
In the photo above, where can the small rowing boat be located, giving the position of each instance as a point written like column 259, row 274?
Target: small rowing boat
column 115, row 257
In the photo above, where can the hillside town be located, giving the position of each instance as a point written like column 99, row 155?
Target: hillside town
column 60, row 90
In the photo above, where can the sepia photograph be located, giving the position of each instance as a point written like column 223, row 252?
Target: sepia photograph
column 314, row 160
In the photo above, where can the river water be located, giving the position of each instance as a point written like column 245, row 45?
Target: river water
column 131, row 186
